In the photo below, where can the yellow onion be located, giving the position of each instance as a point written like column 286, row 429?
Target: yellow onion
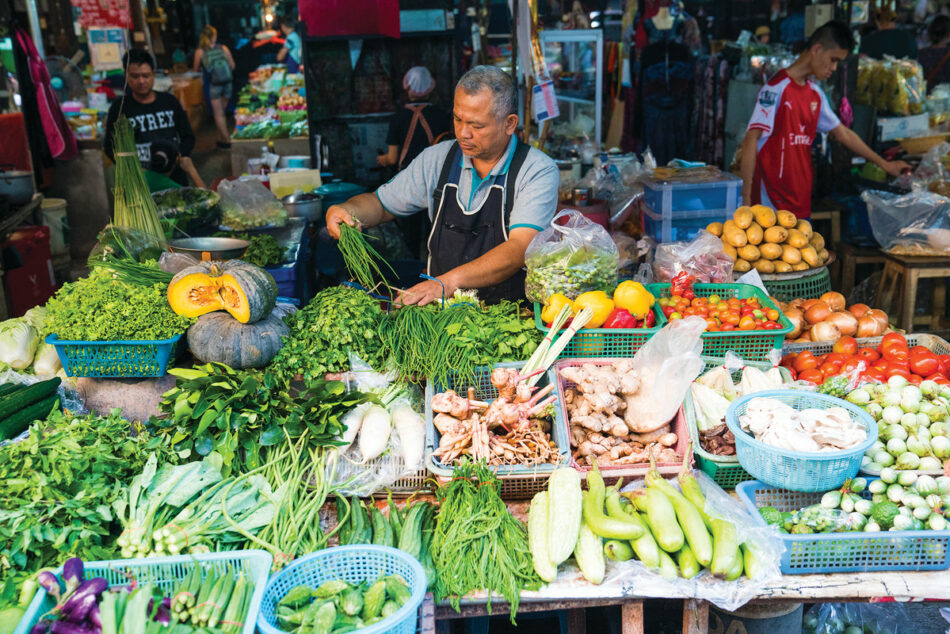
column 859, row 310
column 834, row 299
column 881, row 318
column 825, row 331
column 795, row 316
column 867, row 327
column 817, row 312
column 846, row 323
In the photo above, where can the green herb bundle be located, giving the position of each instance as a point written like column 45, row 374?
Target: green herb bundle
column 132, row 272
column 361, row 259
column 478, row 544
column 337, row 321
column 411, row 338
column 102, row 308
column 57, row 487
column 134, row 207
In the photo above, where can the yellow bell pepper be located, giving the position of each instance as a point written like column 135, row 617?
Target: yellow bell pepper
column 597, row 301
column 634, row 298
column 553, row 306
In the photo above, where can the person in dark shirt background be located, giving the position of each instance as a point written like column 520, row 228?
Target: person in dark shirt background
column 154, row 116
column 888, row 39
column 935, row 59
column 413, row 128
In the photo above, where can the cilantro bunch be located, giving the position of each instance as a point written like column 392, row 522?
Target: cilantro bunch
column 338, row 320
column 102, row 308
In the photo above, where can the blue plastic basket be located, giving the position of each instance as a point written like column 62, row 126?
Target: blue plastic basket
column 166, row 573
column 845, row 552
column 353, row 564
column 799, row 470
column 116, row 359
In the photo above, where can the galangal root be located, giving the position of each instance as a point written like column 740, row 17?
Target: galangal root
column 604, row 425
column 511, row 430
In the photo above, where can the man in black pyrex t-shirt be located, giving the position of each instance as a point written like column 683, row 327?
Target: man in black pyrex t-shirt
column 154, row 116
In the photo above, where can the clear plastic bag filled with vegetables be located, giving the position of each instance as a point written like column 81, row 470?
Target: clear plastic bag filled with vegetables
column 124, row 243
column 383, row 441
column 572, row 256
column 759, row 549
column 703, row 257
column 249, row 205
column 854, row 618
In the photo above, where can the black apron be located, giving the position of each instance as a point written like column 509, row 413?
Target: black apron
column 458, row 237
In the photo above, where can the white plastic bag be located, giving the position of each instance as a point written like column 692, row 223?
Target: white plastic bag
column 667, row 365
column 912, row 224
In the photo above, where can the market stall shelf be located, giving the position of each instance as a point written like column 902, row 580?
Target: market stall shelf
column 847, row 551
column 849, row 258
column 167, row 573
column 899, row 282
column 933, row 343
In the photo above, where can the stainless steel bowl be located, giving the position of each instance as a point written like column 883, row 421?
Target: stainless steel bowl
column 307, row 206
column 210, row 248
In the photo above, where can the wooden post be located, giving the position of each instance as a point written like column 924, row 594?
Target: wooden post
column 577, row 621
column 631, row 617
column 695, row 616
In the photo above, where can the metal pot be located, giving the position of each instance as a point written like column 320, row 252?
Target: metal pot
column 16, row 185
column 307, row 206
column 210, row 249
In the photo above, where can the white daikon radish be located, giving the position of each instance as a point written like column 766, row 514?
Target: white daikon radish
column 352, row 420
column 412, row 435
column 374, row 432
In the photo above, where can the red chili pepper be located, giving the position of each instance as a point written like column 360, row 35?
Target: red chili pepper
column 682, row 285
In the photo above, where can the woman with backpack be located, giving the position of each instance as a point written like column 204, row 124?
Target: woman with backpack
column 217, row 65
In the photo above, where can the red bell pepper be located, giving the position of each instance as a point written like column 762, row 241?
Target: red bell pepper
column 620, row 318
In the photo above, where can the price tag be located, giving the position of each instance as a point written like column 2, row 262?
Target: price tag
column 544, row 102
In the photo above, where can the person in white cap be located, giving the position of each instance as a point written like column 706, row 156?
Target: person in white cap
column 413, row 128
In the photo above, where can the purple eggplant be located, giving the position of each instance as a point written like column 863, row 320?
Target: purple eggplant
column 73, row 573
column 50, row 583
column 77, row 606
column 94, row 618
column 40, row 628
column 162, row 613
column 62, row 627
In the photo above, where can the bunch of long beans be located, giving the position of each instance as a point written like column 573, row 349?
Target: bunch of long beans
column 134, row 207
column 302, row 478
column 478, row 544
column 361, row 258
column 410, row 337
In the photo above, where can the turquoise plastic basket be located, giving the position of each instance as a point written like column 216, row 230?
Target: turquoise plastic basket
column 850, row 551
column 799, row 470
column 166, row 573
column 353, row 564
column 115, row 359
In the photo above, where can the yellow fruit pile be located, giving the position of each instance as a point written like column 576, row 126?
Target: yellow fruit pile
column 770, row 241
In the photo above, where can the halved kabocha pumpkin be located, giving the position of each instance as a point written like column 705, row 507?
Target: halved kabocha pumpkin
column 245, row 291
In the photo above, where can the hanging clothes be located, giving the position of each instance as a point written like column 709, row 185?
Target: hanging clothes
column 711, row 118
column 666, row 84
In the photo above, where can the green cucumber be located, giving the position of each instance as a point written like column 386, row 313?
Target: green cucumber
column 8, row 388
column 18, row 400
column 14, row 424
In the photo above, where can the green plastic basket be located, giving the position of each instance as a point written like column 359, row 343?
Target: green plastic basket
column 724, row 470
column 751, row 345
column 806, row 286
column 605, row 342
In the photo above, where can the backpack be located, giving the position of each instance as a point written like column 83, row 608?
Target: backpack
column 216, row 63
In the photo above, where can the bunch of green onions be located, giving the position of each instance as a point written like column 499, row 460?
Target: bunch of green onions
column 134, row 207
column 361, row 258
column 132, row 272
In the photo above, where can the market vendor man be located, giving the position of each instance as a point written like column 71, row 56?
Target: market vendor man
column 789, row 111
column 487, row 194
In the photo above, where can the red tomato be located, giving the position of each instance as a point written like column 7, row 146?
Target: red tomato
column 712, row 325
column 873, row 374
column 937, row 376
column 916, row 379
column 793, row 373
column 846, row 345
column 870, row 355
column 924, row 364
column 727, row 326
column 894, row 338
column 881, row 364
column 747, row 323
column 788, row 359
column 805, row 361
column 945, row 362
column 829, row 369
column 851, row 365
column 895, row 371
column 919, row 350
column 836, row 357
column 894, row 354
column 773, row 315
column 812, row 376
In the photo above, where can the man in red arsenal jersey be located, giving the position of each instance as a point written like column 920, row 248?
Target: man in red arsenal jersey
column 789, row 111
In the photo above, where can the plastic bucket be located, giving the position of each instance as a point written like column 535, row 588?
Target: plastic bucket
column 54, row 217
column 774, row 617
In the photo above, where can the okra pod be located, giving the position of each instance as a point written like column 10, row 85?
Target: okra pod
column 221, row 600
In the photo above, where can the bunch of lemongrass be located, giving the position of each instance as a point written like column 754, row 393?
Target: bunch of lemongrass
column 134, row 207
